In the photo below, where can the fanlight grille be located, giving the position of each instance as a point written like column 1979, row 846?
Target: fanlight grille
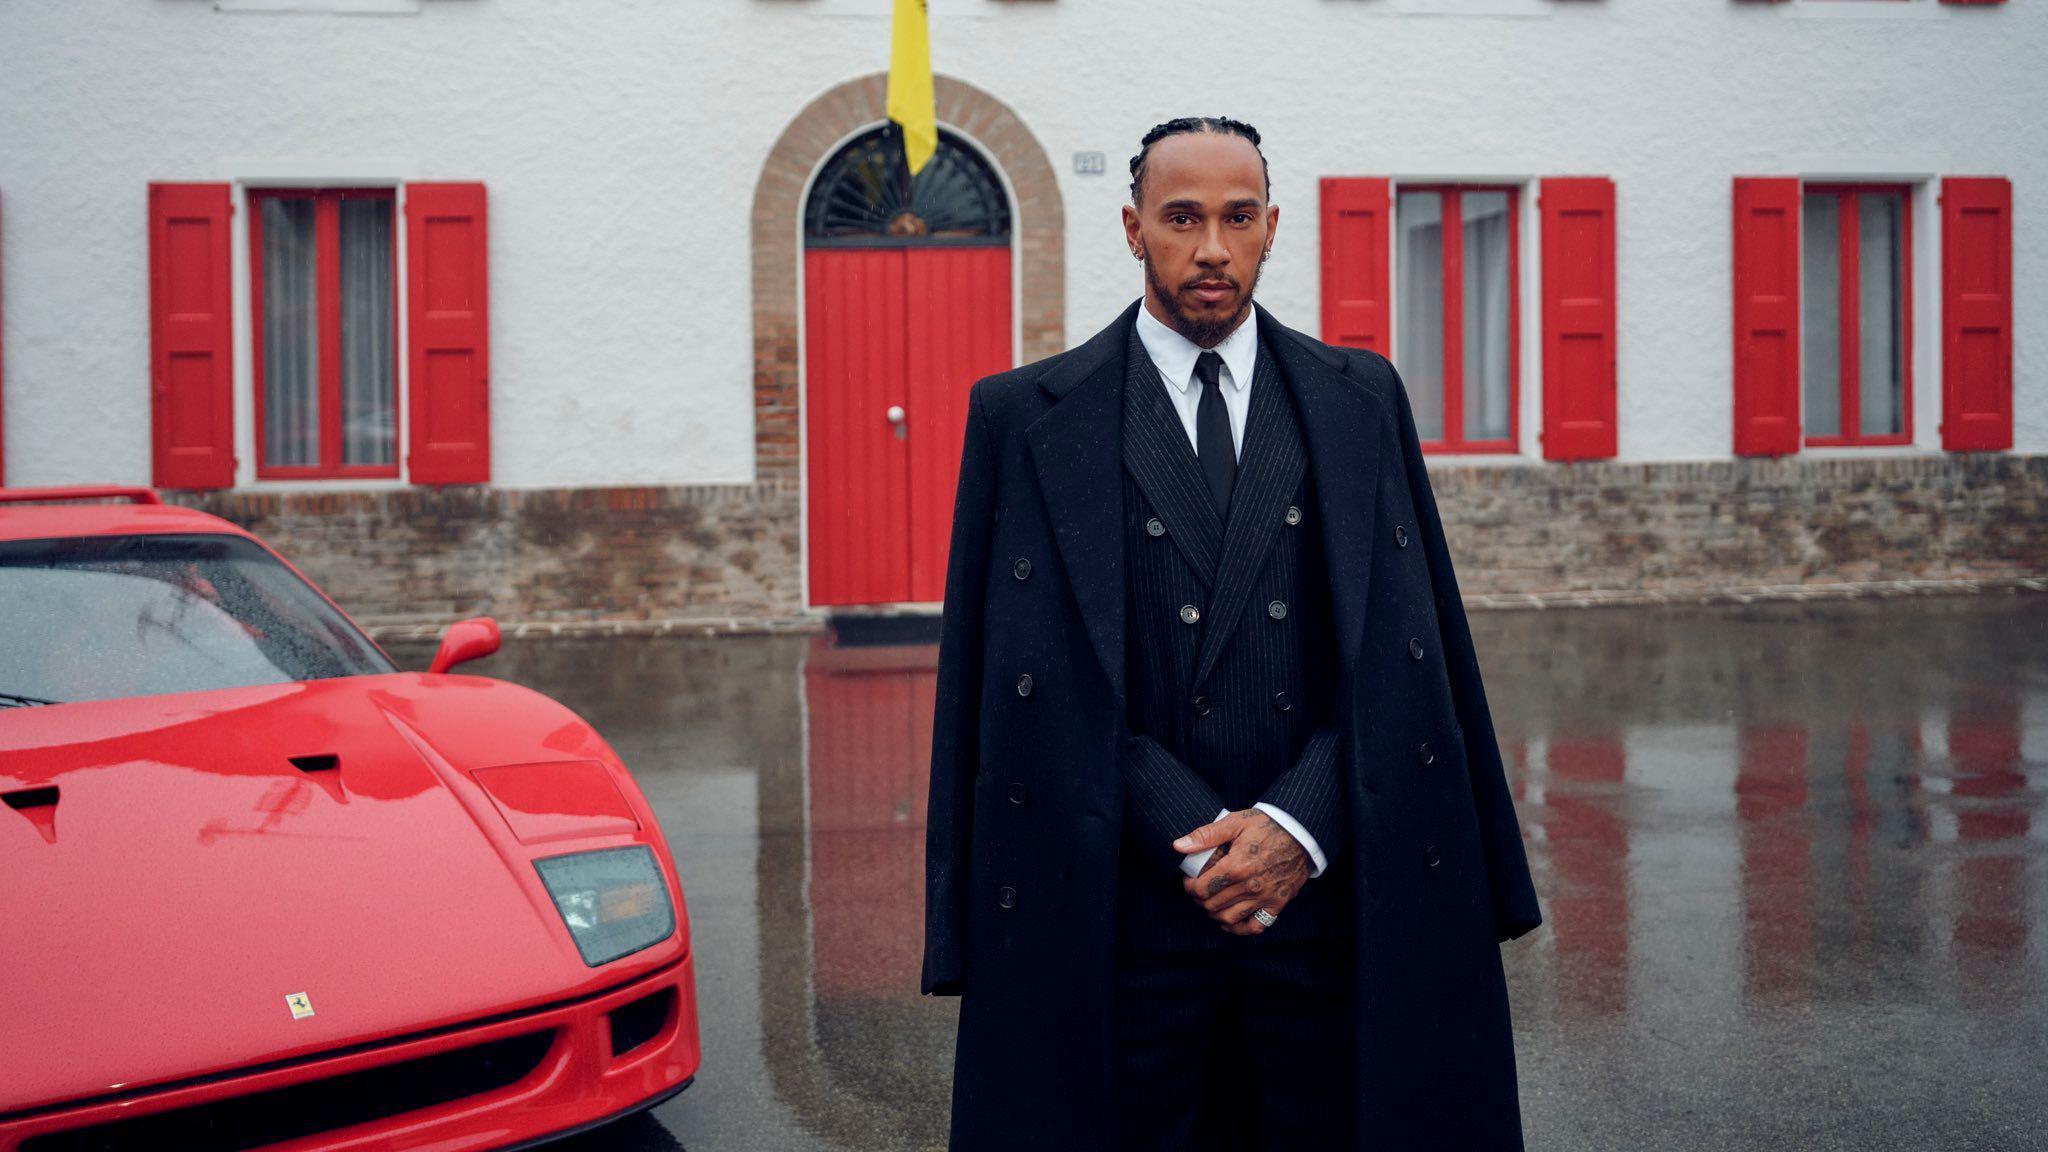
column 866, row 196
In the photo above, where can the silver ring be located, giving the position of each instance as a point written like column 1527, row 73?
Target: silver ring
column 1264, row 918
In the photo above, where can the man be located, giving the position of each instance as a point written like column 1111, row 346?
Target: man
column 1220, row 850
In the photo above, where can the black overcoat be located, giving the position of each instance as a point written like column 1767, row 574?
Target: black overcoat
column 1025, row 818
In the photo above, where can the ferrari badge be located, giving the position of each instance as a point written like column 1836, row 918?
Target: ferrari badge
column 301, row 1006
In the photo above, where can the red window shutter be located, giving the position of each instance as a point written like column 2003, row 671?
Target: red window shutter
column 1766, row 316
column 191, row 350
column 1356, row 228
column 448, row 312
column 1578, row 318
column 1976, row 314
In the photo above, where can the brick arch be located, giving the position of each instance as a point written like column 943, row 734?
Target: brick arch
column 1038, row 234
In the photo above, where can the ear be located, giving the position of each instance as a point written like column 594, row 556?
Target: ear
column 1272, row 228
column 1134, row 231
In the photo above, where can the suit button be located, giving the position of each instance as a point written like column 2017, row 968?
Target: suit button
column 1189, row 613
column 1293, row 514
column 1414, row 649
column 1022, row 569
column 1401, row 535
column 1430, row 856
column 1428, row 757
column 1007, row 897
column 1154, row 528
column 1024, row 684
column 1201, row 705
column 1283, row 701
column 1277, row 610
column 1019, row 794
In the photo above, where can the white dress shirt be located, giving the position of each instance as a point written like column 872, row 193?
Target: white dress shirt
column 1174, row 355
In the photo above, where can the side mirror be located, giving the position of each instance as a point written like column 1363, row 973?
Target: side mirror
column 466, row 640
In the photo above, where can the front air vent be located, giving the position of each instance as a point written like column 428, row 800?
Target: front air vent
column 24, row 798
column 641, row 1021
column 39, row 805
column 302, row 1110
column 324, row 763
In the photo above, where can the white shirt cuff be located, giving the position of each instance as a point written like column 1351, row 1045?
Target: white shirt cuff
column 1193, row 862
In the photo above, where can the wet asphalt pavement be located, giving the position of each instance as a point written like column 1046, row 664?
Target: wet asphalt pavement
column 1793, row 860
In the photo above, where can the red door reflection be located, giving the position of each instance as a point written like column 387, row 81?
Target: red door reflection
column 869, row 725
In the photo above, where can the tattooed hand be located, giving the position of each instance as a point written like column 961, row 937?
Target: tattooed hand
column 1257, row 865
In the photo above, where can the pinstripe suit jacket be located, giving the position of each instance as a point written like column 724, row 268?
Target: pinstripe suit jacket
column 1229, row 667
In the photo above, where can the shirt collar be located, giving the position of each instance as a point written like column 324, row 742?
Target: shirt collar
column 1174, row 354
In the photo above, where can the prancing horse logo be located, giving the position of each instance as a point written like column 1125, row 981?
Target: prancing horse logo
column 300, row 1005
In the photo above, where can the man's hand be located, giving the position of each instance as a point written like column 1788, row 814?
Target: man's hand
column 1256, row 865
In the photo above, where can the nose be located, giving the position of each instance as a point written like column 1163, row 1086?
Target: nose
column 1212, row 252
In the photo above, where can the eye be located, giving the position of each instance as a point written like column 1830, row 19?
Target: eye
column 1241, row 218
column 1179, row 219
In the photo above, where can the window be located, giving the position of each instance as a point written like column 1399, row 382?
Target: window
column 1856, row 327
column 324, row 306
column 1457, row 317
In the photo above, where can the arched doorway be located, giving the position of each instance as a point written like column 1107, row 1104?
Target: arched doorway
column 906, row 303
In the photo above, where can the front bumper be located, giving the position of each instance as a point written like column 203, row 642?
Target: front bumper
column 561, row 1066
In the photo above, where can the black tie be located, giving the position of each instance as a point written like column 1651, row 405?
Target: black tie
column 1212, row 433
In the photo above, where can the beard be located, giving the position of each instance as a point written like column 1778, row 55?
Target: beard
column 1203, row 332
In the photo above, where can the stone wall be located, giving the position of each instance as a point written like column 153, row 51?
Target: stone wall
column 731, row 555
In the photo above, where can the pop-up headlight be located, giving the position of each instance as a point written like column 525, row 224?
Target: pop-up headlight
column 613, row 900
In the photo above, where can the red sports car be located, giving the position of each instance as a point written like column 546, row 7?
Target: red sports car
column 259, row 887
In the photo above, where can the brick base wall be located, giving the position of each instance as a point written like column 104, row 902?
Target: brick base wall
column 733, row 553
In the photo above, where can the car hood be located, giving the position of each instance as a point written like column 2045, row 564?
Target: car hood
column 191, row 876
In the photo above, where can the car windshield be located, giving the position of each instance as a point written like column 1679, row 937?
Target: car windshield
column 101, row 617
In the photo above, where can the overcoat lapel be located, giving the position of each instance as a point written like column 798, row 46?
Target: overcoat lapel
column 1341, row 424
column 1269, row 471
column 1075, row 448
column 1157, row 452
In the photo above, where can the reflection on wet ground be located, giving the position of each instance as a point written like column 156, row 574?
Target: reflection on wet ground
column 1794, row 861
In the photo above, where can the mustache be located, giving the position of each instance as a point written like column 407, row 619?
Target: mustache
column 1211, row 278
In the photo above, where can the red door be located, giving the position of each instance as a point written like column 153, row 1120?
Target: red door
column 895, row 337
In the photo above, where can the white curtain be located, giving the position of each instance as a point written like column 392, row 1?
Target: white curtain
column 1882, row 382
column 1820, row 318
column 1485, row 230
column 1420, row 348
column 368, row 429
column 291, row 335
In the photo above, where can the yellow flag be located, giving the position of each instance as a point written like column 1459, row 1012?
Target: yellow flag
column 911, row 103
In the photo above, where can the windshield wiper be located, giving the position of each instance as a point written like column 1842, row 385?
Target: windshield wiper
column 16, row 700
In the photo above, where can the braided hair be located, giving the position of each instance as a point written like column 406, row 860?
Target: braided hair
column 1220, row 125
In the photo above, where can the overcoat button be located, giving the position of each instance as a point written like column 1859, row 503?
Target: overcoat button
column 1293, row 514
column 1277, row 610
column 1430, row 856
column 1401, row 535
column 1024, row 684
column 1154, row 528
column 1428, row 757
column 1283, row 701
column 1414, row 649
column 1201, row 705
column 1007, row 897
column 1019, row 794
column 1189, row 613
column 1022, row 568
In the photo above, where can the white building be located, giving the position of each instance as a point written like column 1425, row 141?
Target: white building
column 562, row 252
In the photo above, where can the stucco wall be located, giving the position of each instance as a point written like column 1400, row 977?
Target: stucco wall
column 621, row 143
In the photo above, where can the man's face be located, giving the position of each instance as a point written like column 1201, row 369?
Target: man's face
column 1203, row 228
